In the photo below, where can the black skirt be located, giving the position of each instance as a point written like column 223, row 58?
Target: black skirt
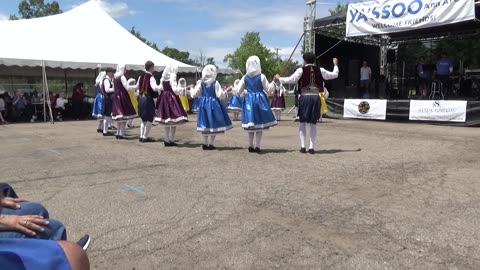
column 309, row 109
column 146, row 108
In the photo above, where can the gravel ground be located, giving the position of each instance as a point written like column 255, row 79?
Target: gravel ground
column 375, row 196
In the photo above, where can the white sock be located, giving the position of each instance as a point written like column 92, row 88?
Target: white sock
column 313, row 135
column 302, row 129
column 148, row 127
column 279, row 115
column 100, row 124
column 250, row 139
column 259, row 138
column 205, row 140
column 212, row 140
column 142, row 130
column 106, row 122
column 122, row 128
column 173, row 130
column 118, row 129
column 167, row 134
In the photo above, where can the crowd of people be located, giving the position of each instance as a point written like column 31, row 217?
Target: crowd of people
column 118, row 101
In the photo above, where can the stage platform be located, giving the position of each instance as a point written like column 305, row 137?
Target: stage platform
column 398, row 110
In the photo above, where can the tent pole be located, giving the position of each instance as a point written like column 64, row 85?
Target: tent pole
column 66, row 84
column 44, row 93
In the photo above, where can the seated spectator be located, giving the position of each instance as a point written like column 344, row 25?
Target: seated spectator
column 20, row 218
column 60, row 104
column 30, row 254
column 3, row 109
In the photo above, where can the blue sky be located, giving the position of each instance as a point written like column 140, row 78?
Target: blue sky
column 213, row 27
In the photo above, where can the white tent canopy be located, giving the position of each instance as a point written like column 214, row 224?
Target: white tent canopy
column 75, row 39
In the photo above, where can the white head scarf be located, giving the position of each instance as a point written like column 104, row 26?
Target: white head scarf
column 182, row 83
column 100, row 78
column 120, row 71
column 209, row 74
column 170, row 73
column 253, row 66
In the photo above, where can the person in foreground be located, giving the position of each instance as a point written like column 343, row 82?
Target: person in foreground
column 310, row 81
column 32, row 254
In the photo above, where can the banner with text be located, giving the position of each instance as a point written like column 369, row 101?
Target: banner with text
column 388, row 16
column 375, row 109
column 438, row 110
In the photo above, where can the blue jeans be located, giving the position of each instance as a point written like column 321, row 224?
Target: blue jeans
column 55, row 230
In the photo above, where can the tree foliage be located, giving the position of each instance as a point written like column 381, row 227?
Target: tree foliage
column 252, row 45
column 139, row 36
column 28, row 9
column 182, row 56
column 339, row 9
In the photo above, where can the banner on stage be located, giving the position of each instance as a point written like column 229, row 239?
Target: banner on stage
column 438, row 110
column 375, row 109
column 388, row 16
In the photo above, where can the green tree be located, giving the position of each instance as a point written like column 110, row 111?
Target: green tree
column 339, row 9
column 28, row 9
column 139, row 36
column 252, row 45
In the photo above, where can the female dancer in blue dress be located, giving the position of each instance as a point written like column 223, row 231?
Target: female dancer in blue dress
column 212, row 116
column 196, row 101
column 98, row 102
column 256, row 112
column 235, row 103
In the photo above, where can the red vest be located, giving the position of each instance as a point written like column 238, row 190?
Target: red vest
column 144, row 85
column 311, row 77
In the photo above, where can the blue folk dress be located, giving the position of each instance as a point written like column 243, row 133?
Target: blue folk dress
column 212, row 116
column 256, row 112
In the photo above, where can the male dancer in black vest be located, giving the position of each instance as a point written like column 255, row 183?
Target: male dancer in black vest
column 310, row 82
column 147, row 85
column 107, row 90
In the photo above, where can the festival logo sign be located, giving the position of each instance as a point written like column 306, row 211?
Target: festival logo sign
column 387, row 16
column 438, row 110
column 375, row 109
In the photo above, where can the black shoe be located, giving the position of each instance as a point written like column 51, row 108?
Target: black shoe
column 168, row 144
column 311, row 151
column 303, row 150
column 211, row 147
column 172, row 143
column 148, row 140
column 140, row 140
column 257, row 150
column 99, row 130
column 119, row 137
column 251, row 150
column 107, row 134
column 84, row 241
column 204, row 147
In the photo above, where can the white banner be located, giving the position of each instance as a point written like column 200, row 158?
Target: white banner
column 375, row 109
column 388, row 16
column 438, row 110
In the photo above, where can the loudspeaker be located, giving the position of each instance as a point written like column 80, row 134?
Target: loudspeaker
column 391, row 57
column 353, row 72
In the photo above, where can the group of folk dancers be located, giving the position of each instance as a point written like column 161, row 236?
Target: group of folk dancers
column 122, row 100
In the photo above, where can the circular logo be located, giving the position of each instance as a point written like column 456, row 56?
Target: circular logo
column 363, row 107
